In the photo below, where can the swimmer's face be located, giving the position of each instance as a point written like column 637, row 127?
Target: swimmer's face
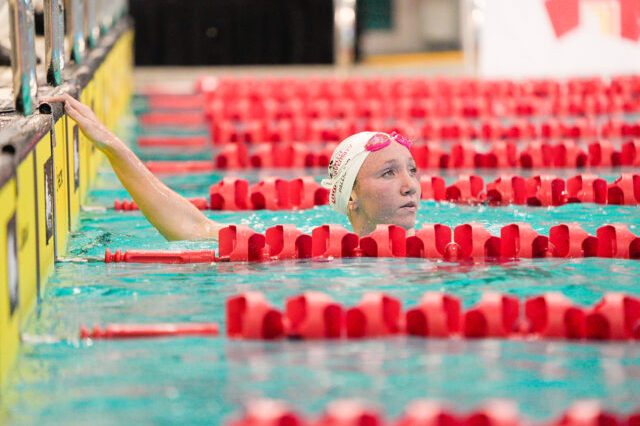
column 387, row 190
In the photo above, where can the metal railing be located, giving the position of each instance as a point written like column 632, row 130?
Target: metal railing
column 472, row 19
column 75, row 29
column 54, row 40
column 344, row 32
column 84, row 21
column 23, row 55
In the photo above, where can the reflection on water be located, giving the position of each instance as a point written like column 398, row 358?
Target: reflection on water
column 59, row 379
column 391, row 373
column 205, row 380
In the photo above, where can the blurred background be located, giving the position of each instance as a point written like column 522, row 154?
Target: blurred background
column 224, row 32
column 496, row 38
column 485, row 38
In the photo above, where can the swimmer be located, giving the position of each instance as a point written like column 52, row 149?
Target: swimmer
column 372, row 179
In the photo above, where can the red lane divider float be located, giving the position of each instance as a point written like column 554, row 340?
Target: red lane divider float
column 169, row 101
column 328, row 109
column 467, row 242
column 229, row 99
column 280, row 155
column 136, row 331
column 314, row 315
column 451, row 88
column 437, row 315
column 160, row 256
column 329, row 128
column 348, row 413
column 180, row 167
column 535, row 154
column 333, row 241
column 189, row 119
column 376, row 315
column 428, row 155
column 541, row 190
column 239, row 243
column 423, row 412
column 127, row 205
column 234, row 194
column 264, row 412
column 288, row 242
column 173, row 141
column 434, row 155
column 250, row 316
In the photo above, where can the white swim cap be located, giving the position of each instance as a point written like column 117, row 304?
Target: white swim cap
column 344, row 166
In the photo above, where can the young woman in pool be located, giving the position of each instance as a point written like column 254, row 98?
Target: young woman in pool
column 372, row 179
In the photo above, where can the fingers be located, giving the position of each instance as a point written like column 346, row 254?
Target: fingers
column 89, row 124
column 67, row 99
column 78, row 116
column 70, row 100
column 52, row 99
column 57, row 98
column 86, row 125
column 64, row 98
column 80, row 106
column 77, row 113
column 74, row 113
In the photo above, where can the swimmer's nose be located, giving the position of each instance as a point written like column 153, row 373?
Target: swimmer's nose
column 410, row 184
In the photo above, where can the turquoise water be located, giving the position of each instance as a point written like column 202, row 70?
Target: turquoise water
column 59, row 379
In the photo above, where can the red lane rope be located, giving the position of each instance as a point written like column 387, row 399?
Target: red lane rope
column 449, row 88
column 290, row 130
column 315, row 315
column 270, row 193
column 467, row 242
column 191, row 119
column 180, row 167
column 233, row 194
column 430, row 155
column 137, row 331
column 367, row 97
column 166, row 101
column 425, row 412
column 329, row 109
column 541, row 190
column 174, row 141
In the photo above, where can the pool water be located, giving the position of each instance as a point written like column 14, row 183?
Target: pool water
column 60, row 379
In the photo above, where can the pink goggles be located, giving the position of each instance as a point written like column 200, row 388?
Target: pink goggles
column 381, row 140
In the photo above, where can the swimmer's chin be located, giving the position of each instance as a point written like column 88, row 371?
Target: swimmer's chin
column 407, row 222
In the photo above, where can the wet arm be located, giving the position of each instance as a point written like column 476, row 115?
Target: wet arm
column 171, row 214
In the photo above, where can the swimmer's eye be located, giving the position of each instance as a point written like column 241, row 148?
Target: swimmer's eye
column 388, row 173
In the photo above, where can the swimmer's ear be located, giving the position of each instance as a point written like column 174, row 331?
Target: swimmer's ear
column 353, row 202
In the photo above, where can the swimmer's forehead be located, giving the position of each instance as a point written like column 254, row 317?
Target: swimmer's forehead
column 398, row 157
